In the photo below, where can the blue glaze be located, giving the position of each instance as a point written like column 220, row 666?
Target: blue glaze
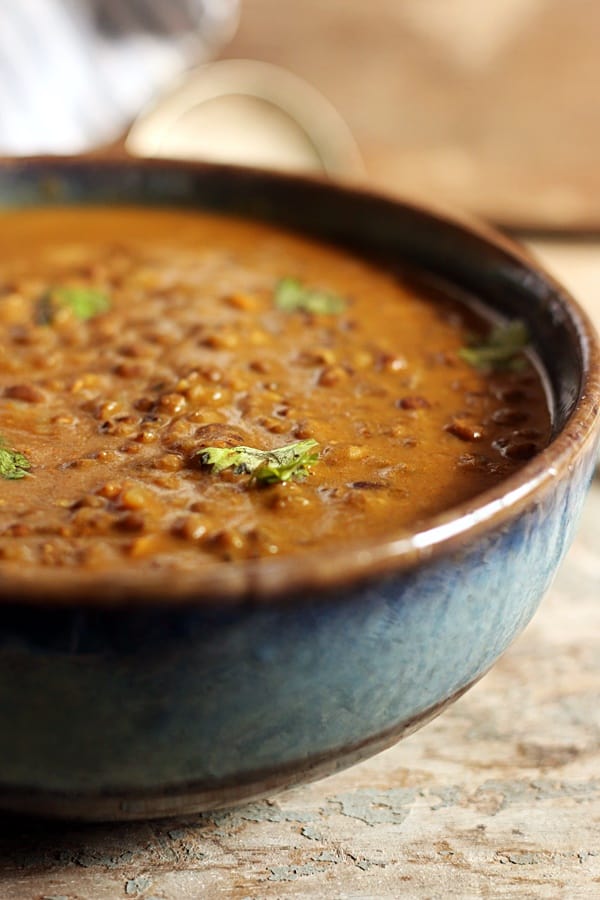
column 142, row 701
column 128, row 700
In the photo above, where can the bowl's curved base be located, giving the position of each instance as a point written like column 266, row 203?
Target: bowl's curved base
column 195, row 798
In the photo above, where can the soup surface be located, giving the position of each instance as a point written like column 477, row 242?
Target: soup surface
column 139, row 346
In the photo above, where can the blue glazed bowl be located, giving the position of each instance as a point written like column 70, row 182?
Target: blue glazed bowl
column 126, row 701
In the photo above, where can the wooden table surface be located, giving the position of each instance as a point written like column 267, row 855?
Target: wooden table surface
column 498, row 797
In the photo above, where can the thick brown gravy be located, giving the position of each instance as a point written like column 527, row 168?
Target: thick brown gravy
column 111, row 411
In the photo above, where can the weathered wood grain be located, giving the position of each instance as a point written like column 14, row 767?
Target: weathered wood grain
column 499, row 797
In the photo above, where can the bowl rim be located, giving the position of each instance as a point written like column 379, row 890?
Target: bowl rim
column 289, row 580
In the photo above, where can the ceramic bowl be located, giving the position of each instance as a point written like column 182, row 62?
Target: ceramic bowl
column 138, row 701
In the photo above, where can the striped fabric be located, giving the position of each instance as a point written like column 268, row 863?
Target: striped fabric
column 74, row 73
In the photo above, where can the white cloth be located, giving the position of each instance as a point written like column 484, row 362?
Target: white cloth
column 74, row 73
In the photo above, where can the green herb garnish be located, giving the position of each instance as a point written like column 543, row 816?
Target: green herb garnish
column 500, row 350
column 84, row 303
column 13, row 465
column 264, row 466
column 292, row 296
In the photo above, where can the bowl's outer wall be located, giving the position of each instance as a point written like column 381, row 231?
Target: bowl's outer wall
column 133, row 701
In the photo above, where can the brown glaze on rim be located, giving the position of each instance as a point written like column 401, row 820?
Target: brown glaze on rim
column 276, row 581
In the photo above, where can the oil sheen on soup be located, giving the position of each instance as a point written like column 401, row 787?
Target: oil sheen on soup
column 179, row 389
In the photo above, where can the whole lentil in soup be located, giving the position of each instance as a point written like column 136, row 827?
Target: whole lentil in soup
column 139, row 347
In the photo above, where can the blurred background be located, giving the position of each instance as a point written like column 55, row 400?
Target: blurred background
column 483, row 106
column 489, row 104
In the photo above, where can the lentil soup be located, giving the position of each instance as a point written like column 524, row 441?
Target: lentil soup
column 154, row 363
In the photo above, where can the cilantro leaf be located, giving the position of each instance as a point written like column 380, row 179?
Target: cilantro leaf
column 292, row 296
column 263, row 466
column 84, row 303
column 500, row 350
column 13, row 464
